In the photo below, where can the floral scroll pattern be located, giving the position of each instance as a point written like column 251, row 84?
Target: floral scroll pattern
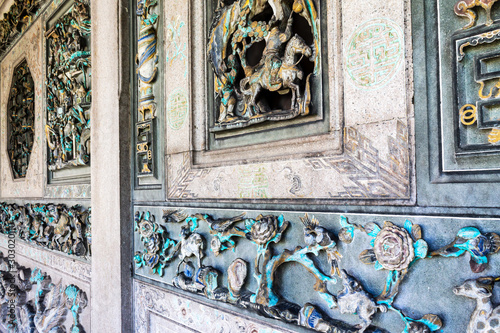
column 393, row 249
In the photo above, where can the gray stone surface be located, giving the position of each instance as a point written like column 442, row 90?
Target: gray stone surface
column 111, row 184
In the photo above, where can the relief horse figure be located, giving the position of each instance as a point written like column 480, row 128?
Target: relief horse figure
column 276, row 75
column 463, row 8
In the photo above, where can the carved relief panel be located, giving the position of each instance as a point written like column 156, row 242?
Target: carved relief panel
column 16, row 20
column 255, row 106
column 68, row 88
column 328, row 272
column 34, row 300
column 22, row 140
column 147, row 72
column 470, row 72
column 21, row 116
column 266, row 61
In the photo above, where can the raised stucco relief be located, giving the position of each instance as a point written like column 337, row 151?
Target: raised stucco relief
column 255, row 262
column 44, row 300
column 68, row 98
column 54, row 227
column 363, row 149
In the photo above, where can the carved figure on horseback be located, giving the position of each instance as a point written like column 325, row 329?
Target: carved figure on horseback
column 240, row 77
column 275, row 73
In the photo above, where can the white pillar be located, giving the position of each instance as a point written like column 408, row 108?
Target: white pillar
column 111, row 287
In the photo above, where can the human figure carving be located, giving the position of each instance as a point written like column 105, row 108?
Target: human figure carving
column 486, row 317
column 463, row 8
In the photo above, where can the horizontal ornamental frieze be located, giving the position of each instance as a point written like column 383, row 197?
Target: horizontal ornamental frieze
column 179, row 246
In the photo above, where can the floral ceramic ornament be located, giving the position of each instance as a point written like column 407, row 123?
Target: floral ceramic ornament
column 478, row 245
column 156, row 243
column 394, row 248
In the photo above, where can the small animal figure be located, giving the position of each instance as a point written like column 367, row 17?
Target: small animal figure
column 315, row 235
column 353, row 299
column 486, row 317
column 173, row 216
column 221, row 225
column 463, row 8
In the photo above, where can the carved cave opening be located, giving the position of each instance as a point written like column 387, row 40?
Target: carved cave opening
column 265, row 57
column 68, row 85
column 21, row 120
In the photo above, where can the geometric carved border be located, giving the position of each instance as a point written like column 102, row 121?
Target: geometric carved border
column 366, row 173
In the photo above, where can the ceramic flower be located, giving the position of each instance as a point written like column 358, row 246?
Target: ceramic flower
column 394, row 248
column 146, row 228
column 153, row 244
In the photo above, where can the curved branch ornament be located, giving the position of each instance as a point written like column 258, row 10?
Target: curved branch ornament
column 471, row 240
column 394, row 249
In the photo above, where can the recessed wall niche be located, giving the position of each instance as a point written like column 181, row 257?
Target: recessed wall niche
column 21, row 119
column 265, row 71
column 68, row 88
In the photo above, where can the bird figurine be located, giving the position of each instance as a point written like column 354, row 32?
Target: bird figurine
column 471, row 240
column 316, row 236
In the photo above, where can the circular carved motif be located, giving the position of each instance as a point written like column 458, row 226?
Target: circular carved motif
column 177, row 109
column 374, row 53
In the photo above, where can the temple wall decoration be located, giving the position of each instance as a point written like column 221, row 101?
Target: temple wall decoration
column 44, row 299
column 147, row 67
column 69, row 89
column 281, row 114
column 46, row 248
column 265, row 113
column 356, row 275
column 54, row 227
column 17, row 20
column 28, row 51
column 469, row 99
